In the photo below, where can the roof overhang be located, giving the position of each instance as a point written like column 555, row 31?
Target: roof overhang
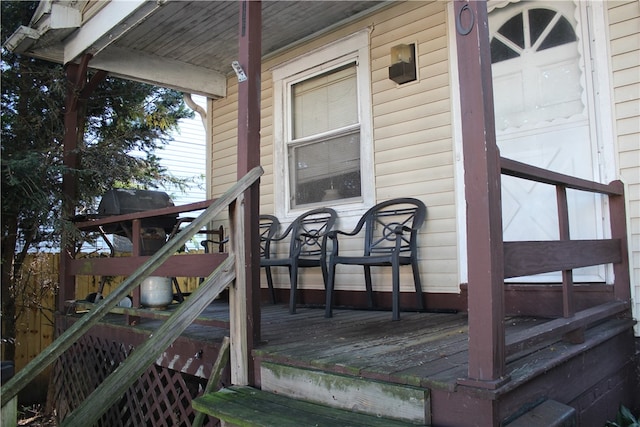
column 185, row 45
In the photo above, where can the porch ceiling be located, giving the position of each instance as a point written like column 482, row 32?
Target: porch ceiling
column 187, row 45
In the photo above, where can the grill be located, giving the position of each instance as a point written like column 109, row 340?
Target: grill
column 130, row 201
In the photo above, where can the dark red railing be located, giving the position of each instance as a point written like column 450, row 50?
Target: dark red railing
column 116, row 383
column 535, row 257
column 192, row 265
column 522, row 258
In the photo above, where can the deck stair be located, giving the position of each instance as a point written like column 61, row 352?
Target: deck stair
column 549, row 413
column 244, row 406
column 297, row 396
column 398, row 401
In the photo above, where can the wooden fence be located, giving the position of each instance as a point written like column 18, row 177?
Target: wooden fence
column 35, row 306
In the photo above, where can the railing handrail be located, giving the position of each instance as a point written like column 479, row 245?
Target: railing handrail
column 536, row 256
column 79, row 328
column 152, row 213
column 545, row 176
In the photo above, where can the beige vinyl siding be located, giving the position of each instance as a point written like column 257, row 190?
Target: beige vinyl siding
column 266, row 148
column 224, row 122
column 624, row 34
column 413, row 147
column 413, row 142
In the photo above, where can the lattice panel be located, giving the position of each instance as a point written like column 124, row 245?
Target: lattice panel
column 161, row 397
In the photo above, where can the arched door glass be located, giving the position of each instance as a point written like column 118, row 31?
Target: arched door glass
column 536, row 69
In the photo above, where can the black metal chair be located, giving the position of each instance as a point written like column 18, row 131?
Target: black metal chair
column 269, row 227
column 210, row 245
column 206, row 244
column 390, row 240
column 307, row 241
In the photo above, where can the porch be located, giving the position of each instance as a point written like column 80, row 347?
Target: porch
column 486, row 369
column 582, row 359
column 424, row 353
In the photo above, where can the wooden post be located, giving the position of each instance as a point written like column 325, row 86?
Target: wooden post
column 618, row 215
column 568, row 306
column 238, row 296
column 76, row 74
column 248, row 155
column 482, row 193
column 136, row 251
column 78, row 91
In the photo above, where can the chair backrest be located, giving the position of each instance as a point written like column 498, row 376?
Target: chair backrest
column 383, row 219
column 269, row 227
column 215, row 240
column 307, row 232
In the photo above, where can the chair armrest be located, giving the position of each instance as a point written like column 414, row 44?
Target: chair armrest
column 401, row 229
column 333, row 234
column 276, row 238
column 214, row 242
column 333, row 237
column 205, row 243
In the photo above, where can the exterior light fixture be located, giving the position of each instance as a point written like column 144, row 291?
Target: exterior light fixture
column 403, row 63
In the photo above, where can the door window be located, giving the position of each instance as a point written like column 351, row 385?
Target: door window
column 536, row 72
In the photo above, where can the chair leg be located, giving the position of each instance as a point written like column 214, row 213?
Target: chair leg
column 395, row 299
column 417, row 282
column 325, row 273
column 368, row 285
column 179, row 296
column 293, row 276
column 331, row 277
column 270, row 284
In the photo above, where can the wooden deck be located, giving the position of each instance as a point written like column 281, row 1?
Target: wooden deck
column 428, row 350
column 422, row 349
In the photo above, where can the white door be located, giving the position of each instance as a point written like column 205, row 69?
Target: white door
column 542, row 119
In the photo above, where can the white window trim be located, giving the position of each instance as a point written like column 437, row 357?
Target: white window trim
column 456, row 115
column 354, row 47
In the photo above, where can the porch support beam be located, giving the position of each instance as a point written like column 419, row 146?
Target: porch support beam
column 482, row 192
column 147, row 68
column 78, row 91
column 618, row 215
column 247, row 300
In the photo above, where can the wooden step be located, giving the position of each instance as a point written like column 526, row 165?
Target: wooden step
column 397, row 401
column 248, row 407
column 547, row 414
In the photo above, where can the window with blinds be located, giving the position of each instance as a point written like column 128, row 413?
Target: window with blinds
column 324, row 146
